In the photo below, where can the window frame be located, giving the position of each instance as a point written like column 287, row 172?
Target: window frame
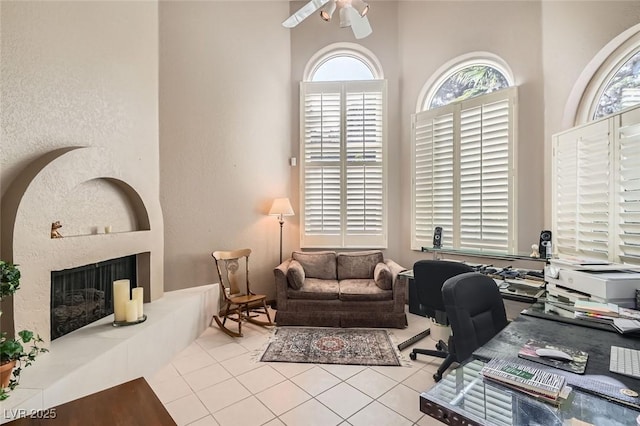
column 346, row 238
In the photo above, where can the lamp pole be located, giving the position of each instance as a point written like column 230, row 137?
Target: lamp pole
column 281, row 221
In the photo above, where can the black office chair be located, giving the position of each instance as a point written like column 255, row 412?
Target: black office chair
column 429, row 277
column 475, row 310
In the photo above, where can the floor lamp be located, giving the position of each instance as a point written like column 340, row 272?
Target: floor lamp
column 281, row 207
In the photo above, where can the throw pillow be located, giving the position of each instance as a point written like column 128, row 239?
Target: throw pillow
column 317, row 264
column 358, row 264
column 295, row 275
column 382, row 276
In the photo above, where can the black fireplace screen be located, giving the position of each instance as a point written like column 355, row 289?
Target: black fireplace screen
column 82, row 295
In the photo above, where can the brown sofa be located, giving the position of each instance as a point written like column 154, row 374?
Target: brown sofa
column 351, row 289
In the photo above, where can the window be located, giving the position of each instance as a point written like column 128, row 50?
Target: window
column 343, row 147
column 463, row 167
column 622, row 90
column 596, row 189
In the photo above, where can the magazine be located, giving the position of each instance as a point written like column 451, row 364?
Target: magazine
column 577, row 365
column 530, row 380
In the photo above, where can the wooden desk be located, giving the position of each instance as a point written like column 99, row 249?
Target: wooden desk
column 129, row 404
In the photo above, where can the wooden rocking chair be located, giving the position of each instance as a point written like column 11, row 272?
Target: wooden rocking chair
column 238, row 305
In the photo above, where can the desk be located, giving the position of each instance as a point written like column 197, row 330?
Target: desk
column 590, row 400
column 131, row 403
column 463, row 398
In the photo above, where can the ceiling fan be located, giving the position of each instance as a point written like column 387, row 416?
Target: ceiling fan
column 352, row 14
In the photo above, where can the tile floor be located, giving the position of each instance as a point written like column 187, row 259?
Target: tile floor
column 218, row 380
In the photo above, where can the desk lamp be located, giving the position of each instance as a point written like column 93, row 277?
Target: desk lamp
column 281, row 207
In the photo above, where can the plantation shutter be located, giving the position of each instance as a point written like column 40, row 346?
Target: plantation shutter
column 463, row 173
column 343, row 146
column 433, row 136
column 485, row 134
column 582, row 191
column 628, row 190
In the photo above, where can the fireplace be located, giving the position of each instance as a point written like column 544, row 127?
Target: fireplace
column 82, row 295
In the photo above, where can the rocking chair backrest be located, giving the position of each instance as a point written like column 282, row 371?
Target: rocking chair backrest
column 228, row 268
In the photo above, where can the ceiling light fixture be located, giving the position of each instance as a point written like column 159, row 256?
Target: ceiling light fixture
column 345, row 19
column 360, row 6
column 327, row 12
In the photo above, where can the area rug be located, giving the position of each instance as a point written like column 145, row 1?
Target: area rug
column 352, row 346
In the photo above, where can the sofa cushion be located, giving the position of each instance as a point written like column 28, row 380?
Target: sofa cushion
column 363, row 290
column 295, row 275
column 319, row 264
column 358, row 264
column 315, row 289
column 382, row 276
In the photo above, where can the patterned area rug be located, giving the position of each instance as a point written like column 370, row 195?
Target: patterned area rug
column 331, row 346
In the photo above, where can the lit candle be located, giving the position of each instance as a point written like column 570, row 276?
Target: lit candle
column 131, row 311
column 137, row 295
column 120, row 297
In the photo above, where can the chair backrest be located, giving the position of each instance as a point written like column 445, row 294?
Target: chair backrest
column 475, row 310
column 428, row 277
column 229, row 272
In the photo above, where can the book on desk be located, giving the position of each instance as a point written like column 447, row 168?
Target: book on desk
column 544, row 385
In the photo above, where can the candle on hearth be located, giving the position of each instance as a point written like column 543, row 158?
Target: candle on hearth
column 137, row 295
column 120, row 297
column 131, row 311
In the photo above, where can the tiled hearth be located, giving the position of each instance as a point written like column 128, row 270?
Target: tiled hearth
column 99, row 355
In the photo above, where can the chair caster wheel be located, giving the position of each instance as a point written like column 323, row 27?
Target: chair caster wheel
column 439, row 346
column 437, row 377
column 412, row 356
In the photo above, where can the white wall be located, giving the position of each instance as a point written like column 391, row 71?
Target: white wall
column 225, row 124
column 573, row 34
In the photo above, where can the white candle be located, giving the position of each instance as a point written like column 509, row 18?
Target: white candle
column 131, row 311
column 120, row 297
column 137, row 295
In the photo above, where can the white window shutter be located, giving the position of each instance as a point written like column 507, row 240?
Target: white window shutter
column 485, row 165
column 343, row 145
column 433, row 136
column 628, row 187
column 464, row 175
column 582, row 191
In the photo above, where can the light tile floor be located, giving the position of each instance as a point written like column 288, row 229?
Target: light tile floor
column 218, row 380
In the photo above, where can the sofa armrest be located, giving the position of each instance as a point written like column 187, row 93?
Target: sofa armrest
column 399, row 286
column 280, row 273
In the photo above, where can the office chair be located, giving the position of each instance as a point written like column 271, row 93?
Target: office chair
column 429, row 276
column 475, row 310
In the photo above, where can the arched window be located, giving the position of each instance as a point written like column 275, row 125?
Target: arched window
column 609, row 83
column 463, row 154
column 622, row 90
column 343, row 149
column 464, row 78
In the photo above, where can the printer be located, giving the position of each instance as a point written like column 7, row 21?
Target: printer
column 599, row 282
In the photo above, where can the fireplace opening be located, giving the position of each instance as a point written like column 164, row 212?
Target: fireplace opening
column 82, row 295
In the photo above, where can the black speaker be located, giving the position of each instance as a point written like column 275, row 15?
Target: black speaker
column 437, row 237
column 546, row 250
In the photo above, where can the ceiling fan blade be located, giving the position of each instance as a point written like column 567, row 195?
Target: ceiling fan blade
column 304, row 12
column 359, row 24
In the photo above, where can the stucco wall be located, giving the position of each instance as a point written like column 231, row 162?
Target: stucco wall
column 225, row 132
column 77, row 74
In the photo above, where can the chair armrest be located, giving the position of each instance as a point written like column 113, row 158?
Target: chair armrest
column 280, row 273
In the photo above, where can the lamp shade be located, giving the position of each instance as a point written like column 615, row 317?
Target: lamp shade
column 327, row 12
column 281, row 206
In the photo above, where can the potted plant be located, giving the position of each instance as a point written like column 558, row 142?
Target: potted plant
column 13, row 355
